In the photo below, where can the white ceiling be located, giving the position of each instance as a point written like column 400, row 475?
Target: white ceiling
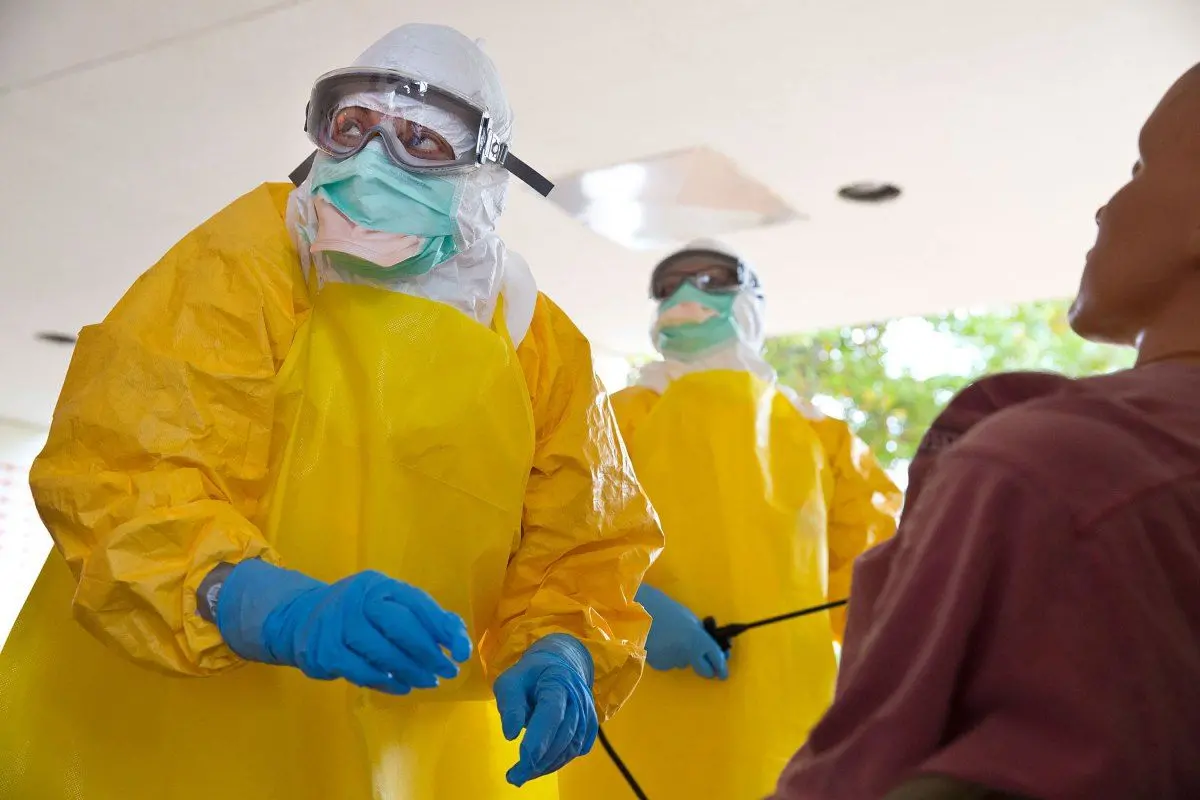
column 126, row 123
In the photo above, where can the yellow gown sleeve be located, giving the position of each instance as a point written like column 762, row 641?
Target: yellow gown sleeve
column 159, row 445
column 863, row 510
column 588, row 533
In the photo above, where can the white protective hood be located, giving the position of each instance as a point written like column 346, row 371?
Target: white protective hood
column 472, row 279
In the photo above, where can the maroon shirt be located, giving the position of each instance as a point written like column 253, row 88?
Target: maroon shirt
column 1034, row 626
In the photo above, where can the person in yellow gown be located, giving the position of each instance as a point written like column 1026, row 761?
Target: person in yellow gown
column 336, row 460
column 765, row 504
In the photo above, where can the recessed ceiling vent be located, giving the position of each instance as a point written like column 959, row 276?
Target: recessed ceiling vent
column 56, row 337
column 869, row 192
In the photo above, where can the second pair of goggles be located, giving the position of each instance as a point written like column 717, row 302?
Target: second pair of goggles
column 707, row 270
column 340, row 129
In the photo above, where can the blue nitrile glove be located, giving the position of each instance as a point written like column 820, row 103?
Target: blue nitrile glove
column 549, row 694
column 369, row 629
column 677, row 638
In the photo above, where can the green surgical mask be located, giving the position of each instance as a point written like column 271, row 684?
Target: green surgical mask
column 690, row 339
column 374, row 193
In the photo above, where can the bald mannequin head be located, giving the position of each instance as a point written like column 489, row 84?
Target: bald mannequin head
column 1141, row 284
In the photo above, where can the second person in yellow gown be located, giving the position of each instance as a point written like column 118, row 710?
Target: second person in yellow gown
column 765, row 504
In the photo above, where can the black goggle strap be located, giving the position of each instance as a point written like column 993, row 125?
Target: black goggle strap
column 491, row 150
column 301, row 172
column 534, row 179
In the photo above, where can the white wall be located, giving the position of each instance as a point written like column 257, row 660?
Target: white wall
column 24, row 543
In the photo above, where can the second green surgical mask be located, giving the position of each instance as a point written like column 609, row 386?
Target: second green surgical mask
column 376, row 194
column 689, row 339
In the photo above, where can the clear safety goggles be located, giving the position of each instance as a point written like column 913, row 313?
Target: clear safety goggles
column 707, row 270
column 423, row 128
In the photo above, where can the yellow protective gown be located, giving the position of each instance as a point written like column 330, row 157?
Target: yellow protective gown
column 764, row 511
column 222, row 412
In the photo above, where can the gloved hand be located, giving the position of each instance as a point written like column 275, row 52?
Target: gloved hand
column 369, row 629
column 549, row 694
column 677, row 638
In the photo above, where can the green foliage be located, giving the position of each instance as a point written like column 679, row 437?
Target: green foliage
column 890, row 398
